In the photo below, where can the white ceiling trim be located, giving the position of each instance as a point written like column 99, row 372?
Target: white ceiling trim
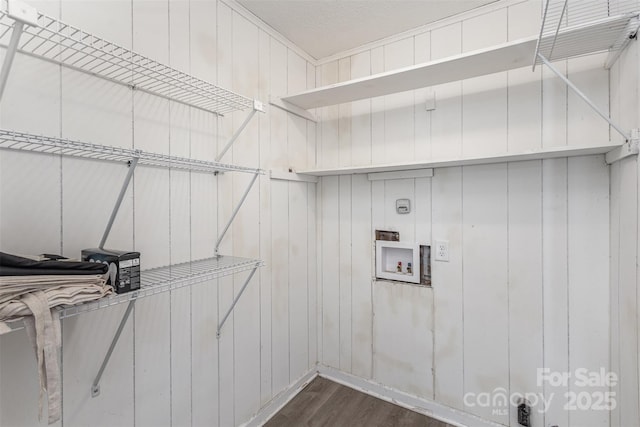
column 245, row 13
column 473, row 13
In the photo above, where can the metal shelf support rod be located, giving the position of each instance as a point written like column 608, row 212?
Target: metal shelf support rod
column 95, row 386
column 11, row 53
column 257, row 106
column 116, row 208
column 235, row 212
column 583, row 96
column 235, row 301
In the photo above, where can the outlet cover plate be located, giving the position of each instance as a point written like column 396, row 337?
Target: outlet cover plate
column 441, row 250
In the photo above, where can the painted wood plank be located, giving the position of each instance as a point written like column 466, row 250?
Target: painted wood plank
column 484, row 99
column 152, row 339
column 330, row 120
column 448, row 363
column 524, row 18
column 296, row 126
column 280, row 286
column 555, row 288
column 312, row 274
column 377, row 111
column 264, row 183
column 345, row 271
column 614, row 280
column 298, row 274
column 583, row 123
column 588, row 268
column 485, row 276
column 320, row 270
column 361, row 113
column 422, row 207
column 226, row 360
column 362, row 267
column 330, row 272
column 180, row 357
column 278, row 124
column 422, row 117
column 525, row 87
column 628, row 397
column 203, row 46
column 554, row 107
column 344, row 119
column 204, row 353
column 524, row 131
column 446, row 119
column 399, row 358
column 152, row 356
column 30, row 211
column 525, row 284
column 312, row 127
column 246, row 339
column 399, row 107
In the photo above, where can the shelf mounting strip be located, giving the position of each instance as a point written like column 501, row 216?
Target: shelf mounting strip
column 622, row 23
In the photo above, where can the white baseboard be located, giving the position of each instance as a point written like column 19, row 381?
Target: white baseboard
column 427, row 407
column 279, row 401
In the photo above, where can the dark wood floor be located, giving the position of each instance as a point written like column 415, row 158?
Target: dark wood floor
column 325, row 403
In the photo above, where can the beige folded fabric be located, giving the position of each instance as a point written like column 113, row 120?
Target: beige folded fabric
column 34, row 298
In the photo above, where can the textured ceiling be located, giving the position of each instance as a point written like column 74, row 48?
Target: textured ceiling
column 325, row 27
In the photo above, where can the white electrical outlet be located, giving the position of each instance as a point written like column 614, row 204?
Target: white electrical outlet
column 442, row 250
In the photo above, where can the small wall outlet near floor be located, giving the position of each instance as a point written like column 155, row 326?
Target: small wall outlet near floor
column 442, row 251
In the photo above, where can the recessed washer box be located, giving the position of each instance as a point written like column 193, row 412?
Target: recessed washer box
column 389, row 254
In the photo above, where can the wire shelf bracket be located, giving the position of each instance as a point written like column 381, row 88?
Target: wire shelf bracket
column 95, row 386
column 234, row 213
column 575, row 28
column 165, row 279
column 235, row 301
column 257, row 106
column 116, row 207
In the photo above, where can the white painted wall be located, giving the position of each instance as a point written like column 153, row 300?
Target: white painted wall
column 168, row 367
column 527, row 283
column 625, row 329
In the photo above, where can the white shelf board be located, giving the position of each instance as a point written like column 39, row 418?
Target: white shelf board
column 551, row 153
column 503, row 57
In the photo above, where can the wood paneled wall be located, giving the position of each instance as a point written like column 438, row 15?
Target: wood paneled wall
column 168, row 367
column 527, row 285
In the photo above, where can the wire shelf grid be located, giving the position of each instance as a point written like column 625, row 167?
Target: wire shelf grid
column 164, row 279
column 573, row 28
column 15, row 140
column 74, row 48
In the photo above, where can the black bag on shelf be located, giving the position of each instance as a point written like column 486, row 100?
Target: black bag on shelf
column 13, row 265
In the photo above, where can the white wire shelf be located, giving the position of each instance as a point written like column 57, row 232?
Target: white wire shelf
column 164, row 279
column 13, row 140
column 72, row 47
column 169, row 278
column 573, row 28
